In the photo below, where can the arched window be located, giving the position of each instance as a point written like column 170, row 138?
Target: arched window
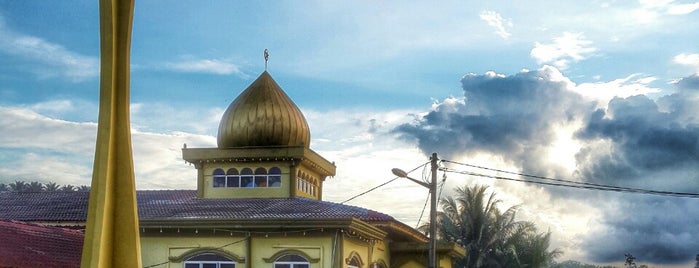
column 275, row 177
column 232, row 178
column 219, row 178
column 261, row 177
column 291, row 261
column 354, row 261
column 246, row 178
column 209, row 260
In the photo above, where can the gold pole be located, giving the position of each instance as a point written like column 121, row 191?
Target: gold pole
column 111, row 237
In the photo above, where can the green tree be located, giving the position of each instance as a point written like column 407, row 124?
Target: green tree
column 491, row 237
column 51, row 187
column 67, row 188
column 83, row 188
column 18, row 186
column 34, row 186
column 4, row 187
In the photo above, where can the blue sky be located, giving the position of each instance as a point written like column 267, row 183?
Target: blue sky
column 595, row 91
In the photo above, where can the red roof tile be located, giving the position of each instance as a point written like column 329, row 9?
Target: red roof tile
column 30, row 245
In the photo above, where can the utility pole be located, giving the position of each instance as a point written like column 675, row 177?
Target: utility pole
column 432, row 258
column 433, row 213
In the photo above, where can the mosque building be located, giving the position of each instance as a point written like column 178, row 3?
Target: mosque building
column 258, row 203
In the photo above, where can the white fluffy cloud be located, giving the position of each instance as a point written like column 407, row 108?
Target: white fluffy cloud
column 50, row 59
column 212, row 66
column 691, row 60
column 565, row 49
column 496, row 21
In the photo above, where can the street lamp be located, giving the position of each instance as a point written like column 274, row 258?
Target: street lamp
column 432, row 263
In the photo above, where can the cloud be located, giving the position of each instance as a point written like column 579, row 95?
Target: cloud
column 668, row 7
column 654, row 229
column 632, row 141
column 52, row 60
column 647, row 138
column 605, row 91
column 211, row 66
column 569, row 47
column 691, row 60
column 48, row 149
column 515, row 116
column 496, row 21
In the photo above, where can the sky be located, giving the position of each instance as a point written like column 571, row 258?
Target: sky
column 603, row 92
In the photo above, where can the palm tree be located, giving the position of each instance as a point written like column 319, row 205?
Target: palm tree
column 67, row 188
column 491, row 237
column 84, row 188
column 534, row 250
column 34, row 186
column 18, row 186
column 4, row 187
column 51, row 187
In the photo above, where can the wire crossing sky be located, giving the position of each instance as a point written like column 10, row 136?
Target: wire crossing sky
column 562, row 183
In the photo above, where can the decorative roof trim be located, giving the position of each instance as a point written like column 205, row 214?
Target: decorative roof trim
column 354, row 225
column 301, row 154
column 285, row 252
column 203, row 250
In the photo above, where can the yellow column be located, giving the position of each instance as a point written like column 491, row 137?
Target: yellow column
column 112, row 238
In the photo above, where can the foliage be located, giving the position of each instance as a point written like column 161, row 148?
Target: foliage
column 577, row 264
column 51, row 187
column 35, row 186
column 491, row 237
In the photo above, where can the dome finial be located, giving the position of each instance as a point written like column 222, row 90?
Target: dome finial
column 266, row 58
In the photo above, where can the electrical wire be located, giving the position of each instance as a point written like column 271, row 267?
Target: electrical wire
column 380, row 185
column 563, row 183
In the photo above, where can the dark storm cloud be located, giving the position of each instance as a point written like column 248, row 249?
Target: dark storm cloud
column 513, row 116
column 644, row 140
column 689, row 83
column 654, row 229
column 635, row 142
column 653, row 145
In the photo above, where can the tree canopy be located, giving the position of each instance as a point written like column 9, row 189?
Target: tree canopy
column 492, row 237
column 35, row 186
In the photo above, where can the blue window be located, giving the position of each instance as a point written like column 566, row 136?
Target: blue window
column 291, row 261
column 209, row 260
column 219, row 178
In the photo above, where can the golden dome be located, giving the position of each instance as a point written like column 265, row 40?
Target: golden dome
column 263, row 115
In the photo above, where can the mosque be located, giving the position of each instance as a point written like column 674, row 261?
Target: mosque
column 258, row 203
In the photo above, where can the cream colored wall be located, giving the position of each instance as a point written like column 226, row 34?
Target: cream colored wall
column 315, row 247
column 159, row 248
column 367, row 252
column 413, row 264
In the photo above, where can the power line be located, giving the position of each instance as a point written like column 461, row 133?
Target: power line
column 563, row 183
column 380, row 185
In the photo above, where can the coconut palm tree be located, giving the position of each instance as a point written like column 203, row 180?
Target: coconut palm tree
column 18, row 186
column 34, row 186
column 51, row 187
column 83, row 188
column 491, row 237
column 67, row 188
